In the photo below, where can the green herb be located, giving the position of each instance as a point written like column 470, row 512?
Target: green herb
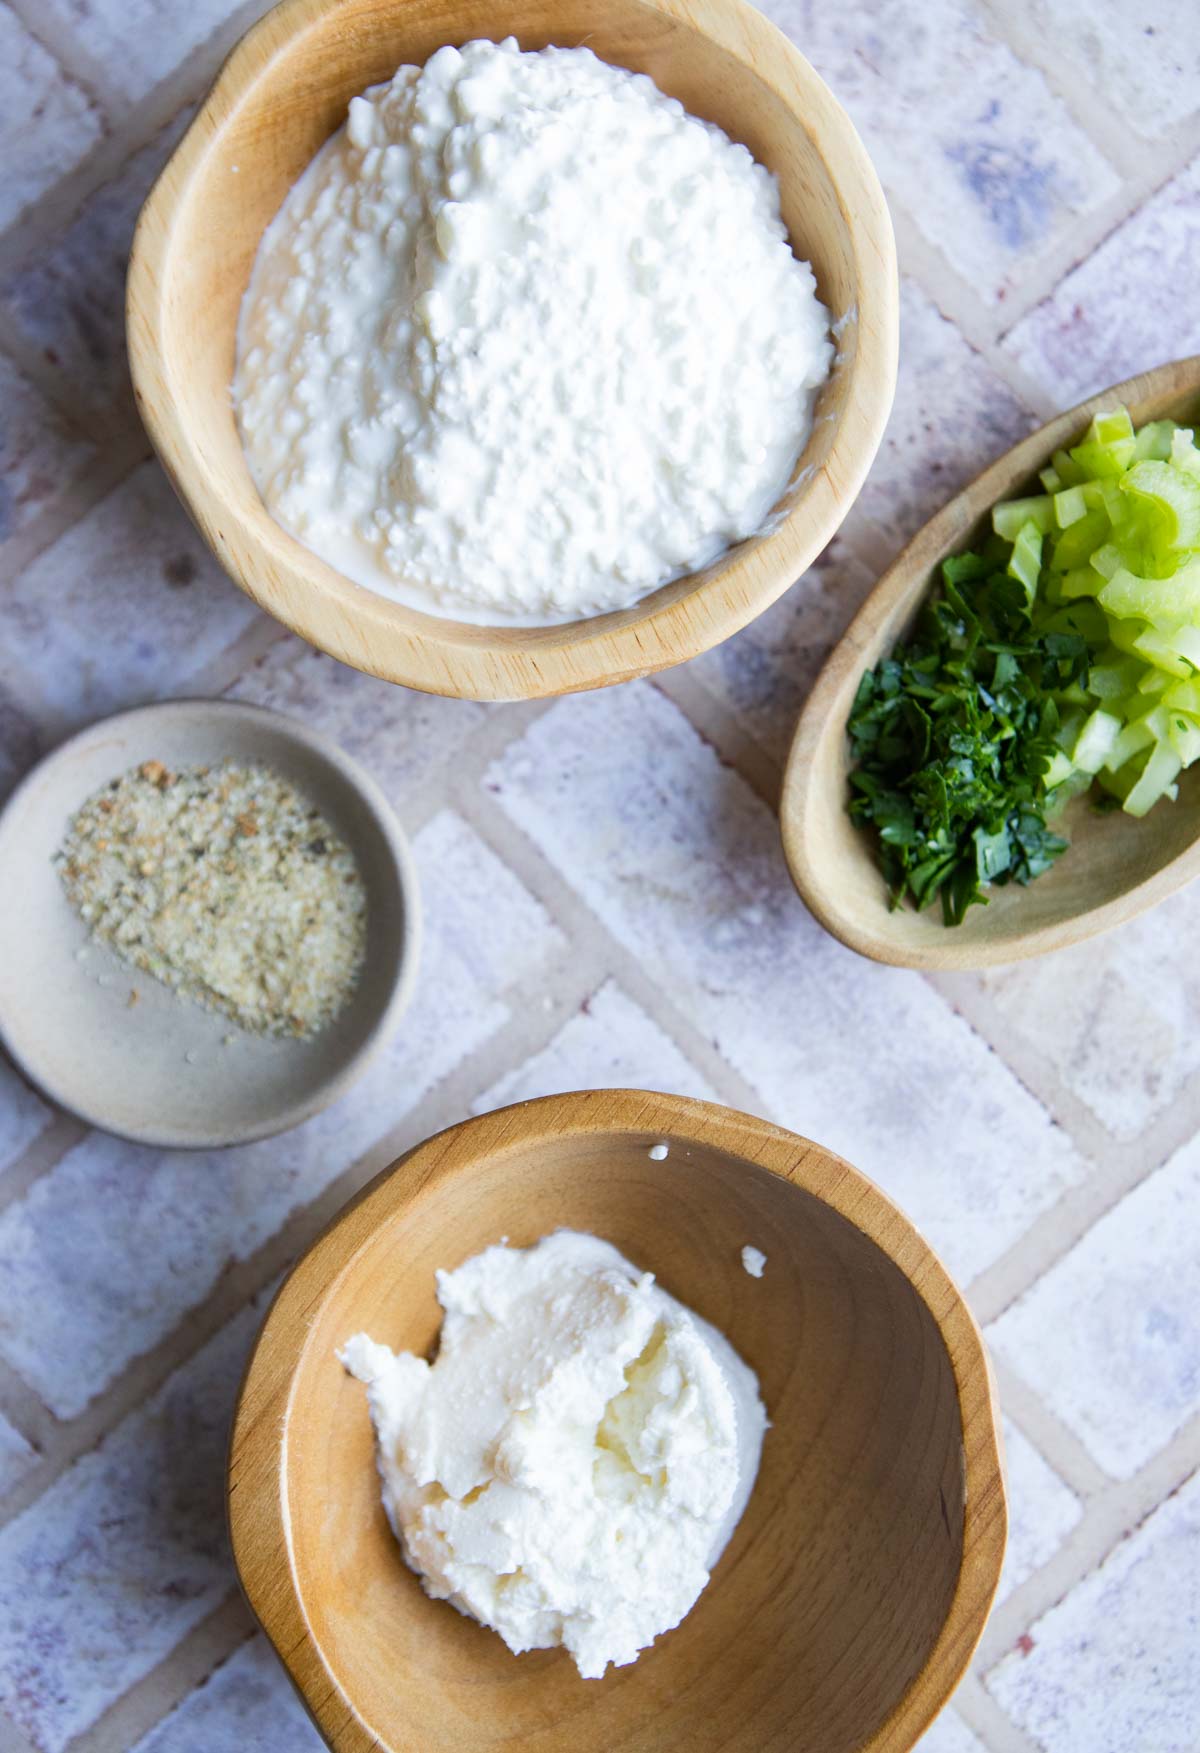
column 954, row 737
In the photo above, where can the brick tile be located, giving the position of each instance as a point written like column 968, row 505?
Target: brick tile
column 16, row 1456
column 102, row 1576
column 126, row 607
column 969, row 138
column 47, row 123
column 22, row 1114
column 39, row 457
column 68, row 298
column 107, row 1251
column 949, row 1734
column 1110, row 1337
column 138, row 43
column 1117, row 1663
column 682, row 863
column 1041, row 1511
column 1126, row 307
column 247, row 1706
column 400, row 735
column 1144, row 61
column 952, row 416
column 1115, row 1018
column 609, row 1044
column 765, row 673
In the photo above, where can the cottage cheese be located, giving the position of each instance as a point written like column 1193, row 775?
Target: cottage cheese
column 571, row 1467
column 526, row 340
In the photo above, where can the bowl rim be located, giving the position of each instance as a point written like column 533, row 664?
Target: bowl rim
column 257, row 1508
column 936, row 538
column 325, row 1090
column 443, row 656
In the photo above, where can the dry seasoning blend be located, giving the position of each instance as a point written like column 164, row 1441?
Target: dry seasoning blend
column 227, row 885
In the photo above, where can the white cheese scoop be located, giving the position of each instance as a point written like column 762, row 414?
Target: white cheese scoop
column 571, row 1466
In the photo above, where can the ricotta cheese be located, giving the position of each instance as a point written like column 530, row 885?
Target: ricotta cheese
column 571, row 1466
column 526, row 340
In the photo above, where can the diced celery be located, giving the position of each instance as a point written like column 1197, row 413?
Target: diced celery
column 1106, row 560
column 1140, row 733
column 1069, row 506
column 1009, row 519
column 1168, row 603
column 1184, row 453
column 1113, row 679
column 1096, row 741
column 1107, row 449
column 1076, row 544
column 1066, row 468
column 1122, row 783
column 1160, row 650
column 1025, row 561
column 1170, row 498
column 1160, row 772
column 1154, row 440
column 1080, row 616
column 1185, row 696
column 1183, row 733
column 1112, row 426
column 1050, row 480
column 1154, row 681
column 1058, row 769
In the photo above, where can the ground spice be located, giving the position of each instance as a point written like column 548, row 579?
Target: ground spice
column 226, row 884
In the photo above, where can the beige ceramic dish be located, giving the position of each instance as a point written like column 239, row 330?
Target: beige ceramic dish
column 1116, row 867
column 848, row 1603
column 281, row 94
column 160, row 1071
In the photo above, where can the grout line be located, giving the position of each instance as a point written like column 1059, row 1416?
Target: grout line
column 1057, row 1445
column 21, row 1406
column 203, row 1649
column 64, row 47
column 11, row 1738
column 984, row 1717
column 114, row 463
column 734, row 745
column 52, row 1143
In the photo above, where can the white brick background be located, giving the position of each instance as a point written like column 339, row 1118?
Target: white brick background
column 607, row 902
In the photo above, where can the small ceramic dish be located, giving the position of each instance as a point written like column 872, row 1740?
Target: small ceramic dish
column 283, row 91
column 847, row 1605
column 1116, row 866
column 163, row 1070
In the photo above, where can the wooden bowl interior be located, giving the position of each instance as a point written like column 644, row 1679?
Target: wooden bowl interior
column 1112, row 856
column 839, row 1579
column 299, row 97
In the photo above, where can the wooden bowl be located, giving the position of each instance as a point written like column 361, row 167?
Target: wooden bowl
column 848, row 1603
column 1116, row 867
column 280, row 95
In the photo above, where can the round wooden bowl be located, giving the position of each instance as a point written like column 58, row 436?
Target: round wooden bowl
column 281, row 94
column 848, row 1603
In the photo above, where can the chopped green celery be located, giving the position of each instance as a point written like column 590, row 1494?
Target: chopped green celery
column 1161, row 650
column 1025, row 561
column 1160, row 772
column 1067, row 469
column 1185, row 696
column 1112, row 426
column 1106, row 560
column 1085, row 618
column 1076, row 544
column 1168, row 603
column 1140, row 733
column 1069, row 506
column 1114, row 502
column 1170, row 499
column 1183, row 734
column 1154, row 440
column 1102, row 458
column 1058, row 770
column 1154, row 681
column 1114, row 677
column 1081, row 581
column 1122, row 783
column 1096, row 741
column 1009, row 519
column 1050, row 480
column 1184, row 453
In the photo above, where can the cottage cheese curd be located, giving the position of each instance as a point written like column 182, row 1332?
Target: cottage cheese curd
column 571, row 1466
column 526, row 340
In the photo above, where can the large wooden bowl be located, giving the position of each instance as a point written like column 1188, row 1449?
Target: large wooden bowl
column 851, row 1597
column 280, row 95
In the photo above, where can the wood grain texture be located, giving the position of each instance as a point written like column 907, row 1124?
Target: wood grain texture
column 1116, row 867
column 280, row 95
column 852, row 1595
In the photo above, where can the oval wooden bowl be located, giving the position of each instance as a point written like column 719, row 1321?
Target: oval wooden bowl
column 280, row 95
column 1116, row 867
column 850, row 1599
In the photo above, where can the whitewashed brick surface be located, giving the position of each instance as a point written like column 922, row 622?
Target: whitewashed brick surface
column 681, row 862
column 1124, row 308
column 606, row 902
column 1117, row 1664
column 1126, row 1295
column 47, row 122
